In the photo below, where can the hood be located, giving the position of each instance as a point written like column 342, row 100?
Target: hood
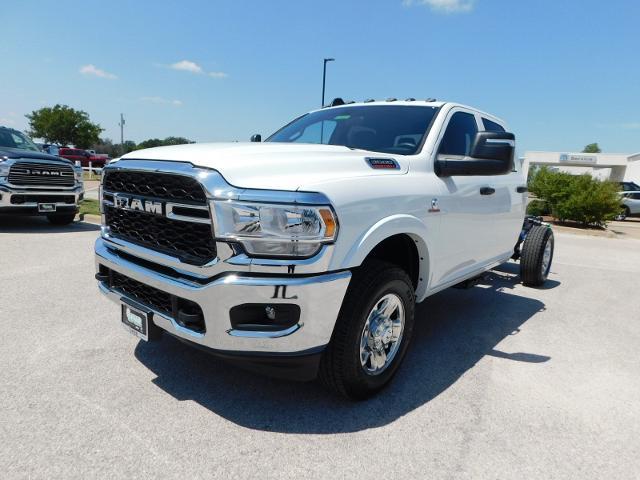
column 274, row 166
column 7, row 152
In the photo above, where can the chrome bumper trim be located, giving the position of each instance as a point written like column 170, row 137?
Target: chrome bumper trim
column 7, row 192
column 319, row 298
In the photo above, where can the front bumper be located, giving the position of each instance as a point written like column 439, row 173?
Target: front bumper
column 25, row 201
column 319, row 298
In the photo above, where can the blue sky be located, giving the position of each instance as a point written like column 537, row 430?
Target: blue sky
column 561, row 73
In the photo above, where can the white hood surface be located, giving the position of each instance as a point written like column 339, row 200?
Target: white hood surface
column 274, row 166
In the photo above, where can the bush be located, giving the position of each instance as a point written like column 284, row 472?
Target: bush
column 580, row 198
column 538, row 208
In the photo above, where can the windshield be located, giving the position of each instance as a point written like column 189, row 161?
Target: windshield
column 378, row 128
column 14, row 139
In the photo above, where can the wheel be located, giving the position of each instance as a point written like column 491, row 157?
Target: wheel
column 536, row 257
column 624, row 213
column 61, row 218
column 372, row 333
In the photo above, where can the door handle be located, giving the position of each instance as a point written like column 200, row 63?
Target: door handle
column 522, row 189
column 487, row 191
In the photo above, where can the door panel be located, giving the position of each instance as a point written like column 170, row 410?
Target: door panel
column 481, row 215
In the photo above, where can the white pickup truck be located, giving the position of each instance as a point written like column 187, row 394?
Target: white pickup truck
column 305, row 255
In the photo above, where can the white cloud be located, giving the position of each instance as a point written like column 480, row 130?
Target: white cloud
column 444, row 6
column 94, row 71
column 193, row 67
column 187, row 66
column 162, row 101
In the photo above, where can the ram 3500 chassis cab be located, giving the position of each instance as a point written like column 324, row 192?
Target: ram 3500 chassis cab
column 305, row 255
column 36, row 183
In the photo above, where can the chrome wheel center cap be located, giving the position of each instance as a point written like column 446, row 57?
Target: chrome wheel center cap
column 382, row 334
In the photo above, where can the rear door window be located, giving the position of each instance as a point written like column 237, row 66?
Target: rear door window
column 490, row 126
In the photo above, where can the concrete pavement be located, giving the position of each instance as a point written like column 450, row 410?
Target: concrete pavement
column 501, row 381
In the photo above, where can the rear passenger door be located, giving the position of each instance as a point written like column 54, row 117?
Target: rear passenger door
column 477, row 222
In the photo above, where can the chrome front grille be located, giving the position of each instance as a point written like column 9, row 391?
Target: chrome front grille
column 179, row 223
column 41, row 174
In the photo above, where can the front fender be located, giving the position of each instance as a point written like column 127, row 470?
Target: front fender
column 387, row 227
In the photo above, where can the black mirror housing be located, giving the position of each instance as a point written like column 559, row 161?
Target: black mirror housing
column 491, row 154
column 494, row 146
column 256, row 138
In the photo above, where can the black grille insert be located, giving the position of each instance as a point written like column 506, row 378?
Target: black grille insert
column 191, row 242
column 34, row 173
column 20, row 199
column 185, row 312
column 150, row 296
column 165, row 186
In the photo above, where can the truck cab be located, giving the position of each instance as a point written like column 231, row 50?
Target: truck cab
column 305, row 255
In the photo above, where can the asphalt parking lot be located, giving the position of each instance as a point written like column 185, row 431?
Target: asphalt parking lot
column 502, row 381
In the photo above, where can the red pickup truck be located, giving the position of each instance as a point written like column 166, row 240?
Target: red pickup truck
column 97, row 160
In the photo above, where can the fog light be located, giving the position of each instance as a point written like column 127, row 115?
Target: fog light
column 270, row 312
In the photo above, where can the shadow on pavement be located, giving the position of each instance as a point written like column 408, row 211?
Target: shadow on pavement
column 455, row 330
column 19, row 224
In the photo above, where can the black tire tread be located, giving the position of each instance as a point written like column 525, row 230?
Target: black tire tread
column 531, row 256
column 334, row 372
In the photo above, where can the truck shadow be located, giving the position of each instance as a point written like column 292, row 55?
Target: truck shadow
column 455, row 329
column 18, row 224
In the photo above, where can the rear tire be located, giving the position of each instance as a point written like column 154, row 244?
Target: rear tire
column 537, row 255
column 61, row 218
column 372, row 333
column 624, row 213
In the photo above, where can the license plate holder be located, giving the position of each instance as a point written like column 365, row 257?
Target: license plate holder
column 136, row 321
column 46, row 207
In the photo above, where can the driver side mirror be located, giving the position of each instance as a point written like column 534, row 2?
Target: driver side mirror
column 491, row 154
column 256, row 138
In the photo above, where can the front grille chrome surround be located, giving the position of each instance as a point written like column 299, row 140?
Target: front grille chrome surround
column 41, row 174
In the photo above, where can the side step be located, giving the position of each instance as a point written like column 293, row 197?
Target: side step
column 469, row 282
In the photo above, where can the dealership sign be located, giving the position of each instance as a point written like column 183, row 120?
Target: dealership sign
column 571, row 158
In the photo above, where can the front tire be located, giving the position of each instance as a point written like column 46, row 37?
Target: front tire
column 61, row 218
column 372, row 333
column 537, row 255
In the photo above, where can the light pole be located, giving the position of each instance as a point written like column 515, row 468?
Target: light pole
column 122, row 133
column 324, row 77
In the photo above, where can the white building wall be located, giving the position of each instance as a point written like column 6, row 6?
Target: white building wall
column 604, row 166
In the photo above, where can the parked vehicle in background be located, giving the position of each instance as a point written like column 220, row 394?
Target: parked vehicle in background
column 629, row 186
column 51, row 149
column 306, row 254
column 85, row 158
column 35, row 183
column 630, row 205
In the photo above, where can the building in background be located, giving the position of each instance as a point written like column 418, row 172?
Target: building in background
column 617, row 167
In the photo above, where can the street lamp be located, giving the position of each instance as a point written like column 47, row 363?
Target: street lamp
column 324, row 77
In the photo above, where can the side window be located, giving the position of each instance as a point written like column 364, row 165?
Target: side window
column 319, row 132
column 636, row 196
column 459, row 135
column 492, row 126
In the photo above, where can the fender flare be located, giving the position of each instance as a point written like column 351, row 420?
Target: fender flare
column 400, row 224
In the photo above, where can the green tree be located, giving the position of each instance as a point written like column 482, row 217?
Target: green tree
column 592, row 148
column 156, row 142
column 64, row 125
column 580, row 198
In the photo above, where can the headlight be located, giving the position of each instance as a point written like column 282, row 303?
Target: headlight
column 4, row 167
column 78, row 173
column 276, row 230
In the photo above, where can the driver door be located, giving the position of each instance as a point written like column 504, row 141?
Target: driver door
column 475, row 226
